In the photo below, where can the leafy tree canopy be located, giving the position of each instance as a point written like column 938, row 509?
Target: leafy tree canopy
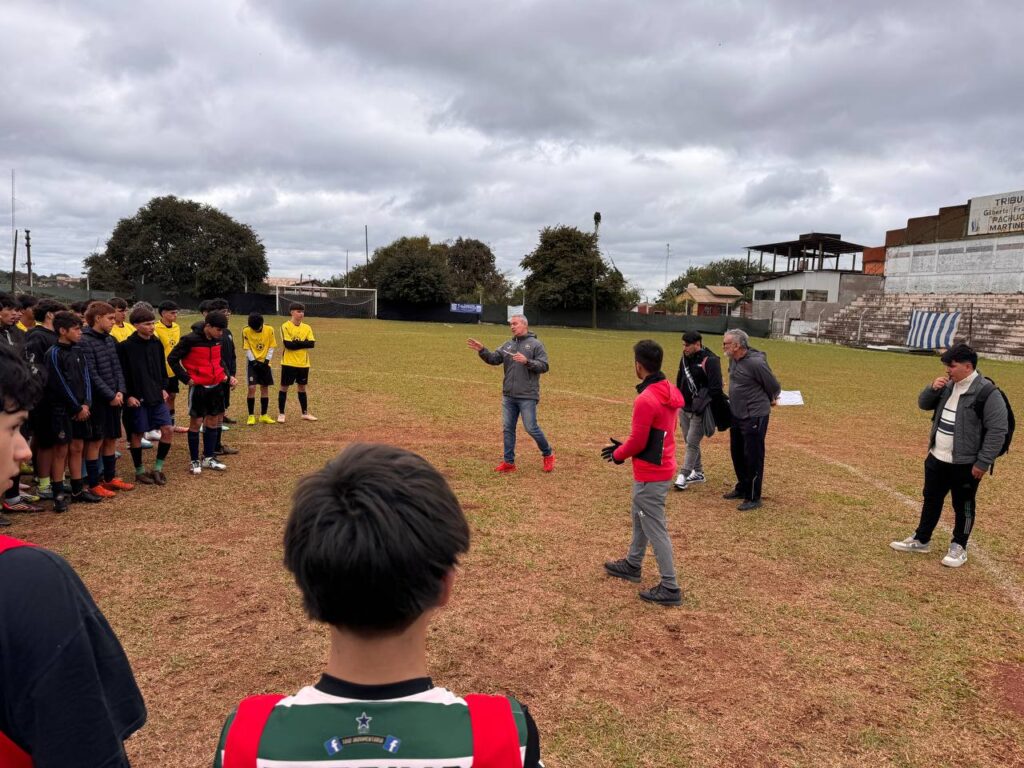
column 182, row 246
column 563, row 268
column 474, row 271
column 722, row 272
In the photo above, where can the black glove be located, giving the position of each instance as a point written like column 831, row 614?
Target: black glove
column 607, row 453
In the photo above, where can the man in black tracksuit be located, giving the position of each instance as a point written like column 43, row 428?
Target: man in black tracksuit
column 700, row 380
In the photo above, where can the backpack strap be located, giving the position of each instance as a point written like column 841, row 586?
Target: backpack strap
column 243, row 740
column 495, row 736
column 8, row 542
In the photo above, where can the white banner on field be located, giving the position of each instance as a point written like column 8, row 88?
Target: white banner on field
column 513, row 311
column 996, row 213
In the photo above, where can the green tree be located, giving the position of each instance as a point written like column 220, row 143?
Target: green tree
column 722, row 272
column 182, row 246
column 411, row 270
column 473, row 271
column 563, row 268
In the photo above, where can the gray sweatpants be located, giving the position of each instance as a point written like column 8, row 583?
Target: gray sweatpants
column 649, row 526
column 692, row 425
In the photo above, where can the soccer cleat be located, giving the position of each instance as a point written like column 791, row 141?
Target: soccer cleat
column 226, row 450
column 621, row 569
column 101, row 492
column 85, row 496
column 549, row 462
column 735, row 493
column 210, row 462
column 280, row 418
column 955, row 557
column 145, row 444
column 225, row 427
column 662, row 595
column 680, row 484
column 144, row 478
column 153, row 434
column 250, row 421
column 21, row 506
column 117, row 484
column 265, row 419
column 159, row 477
column 4, row 522
column 28, row 496
column 229, row 420
column 749, row 504
column 505, row 467
column 694, row 477
column 195, row 468
column 309, row 417
column 45, row 494
column 60, row 503
column 911, row 544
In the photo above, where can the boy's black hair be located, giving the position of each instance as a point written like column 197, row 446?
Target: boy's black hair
column 649, row 354
column 255, row 321
column 65, row 319
column 19, row 389
column 204, row 306
column 27, row 300
column 166, row 306
column 371, row 537
column 217, row 305
column 118, row 303
column 9, row 302
column 141, row 315
column 81, row 307
column 216, row 319
column 960, row 353
column 296, row 305
column 45, row 307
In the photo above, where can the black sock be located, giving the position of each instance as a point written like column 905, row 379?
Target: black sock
column 92, row 470
column 209, row 441
column 250, row 403
column 193, row 444
column 76, row 486
column 303, row 402
column 264, row 404
column 162, row 449
column 281, row 395
column 58, row 487
column 109, row 467
column 136, row 457
column 218, row 435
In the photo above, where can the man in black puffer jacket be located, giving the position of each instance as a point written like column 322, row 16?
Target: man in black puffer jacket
column 108, row 388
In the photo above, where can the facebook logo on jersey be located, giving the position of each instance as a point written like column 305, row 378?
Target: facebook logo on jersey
column 391, row 744
column 333, row 746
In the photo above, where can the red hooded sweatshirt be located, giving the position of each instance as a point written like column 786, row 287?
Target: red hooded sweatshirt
column 652, row 443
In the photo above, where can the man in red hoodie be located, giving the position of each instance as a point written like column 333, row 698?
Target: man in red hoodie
column 652, row 447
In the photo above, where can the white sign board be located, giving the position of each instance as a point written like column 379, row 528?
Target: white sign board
column 996, row 213
column 513, row 311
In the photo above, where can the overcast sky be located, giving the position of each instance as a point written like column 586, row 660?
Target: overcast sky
column 707, row 126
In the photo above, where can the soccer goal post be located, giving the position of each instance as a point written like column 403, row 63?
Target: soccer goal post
column 328, row 302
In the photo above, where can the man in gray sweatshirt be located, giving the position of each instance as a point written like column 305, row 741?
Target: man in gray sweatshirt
column 753, row 392
column 525, row 359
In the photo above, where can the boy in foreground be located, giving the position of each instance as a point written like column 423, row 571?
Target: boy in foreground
column 258, row 342
column 373, row 541
column 298, row 339
column 145, row 376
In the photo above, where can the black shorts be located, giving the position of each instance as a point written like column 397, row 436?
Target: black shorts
column 205, row 401
column 259, row 374
column 172, row 385
column 66, row 429
column 106, row 421
column 292, row 375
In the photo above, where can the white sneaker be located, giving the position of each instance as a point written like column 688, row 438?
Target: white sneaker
column 309, row 417
column 195, row 468
column 153, row 434
column 280, row 418
column 681, row 481
column 910, row 544
column 210, row 462
column 695, row 477
column 144, row 443
column 956, row 556
column 225, row 427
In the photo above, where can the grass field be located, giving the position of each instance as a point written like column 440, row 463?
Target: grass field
column 804, row 640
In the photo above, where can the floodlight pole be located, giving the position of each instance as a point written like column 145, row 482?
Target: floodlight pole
column 593, row 297
column 28, row 257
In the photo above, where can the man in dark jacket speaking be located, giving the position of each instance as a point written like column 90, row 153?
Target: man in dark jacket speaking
column 753, row 391
column 525, row 359
column 700, row 380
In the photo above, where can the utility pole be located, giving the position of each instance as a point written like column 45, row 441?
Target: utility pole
column 366, row 235
column 593, row 297
column 28, row 257
column 346, row 269
column 667, row 251
column 14, row 263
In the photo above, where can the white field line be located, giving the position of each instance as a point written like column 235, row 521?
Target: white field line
column 998, row 574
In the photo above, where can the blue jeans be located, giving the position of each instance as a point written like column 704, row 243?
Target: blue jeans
column 511, row 408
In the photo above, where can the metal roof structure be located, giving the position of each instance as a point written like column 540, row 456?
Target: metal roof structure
column 809, row 251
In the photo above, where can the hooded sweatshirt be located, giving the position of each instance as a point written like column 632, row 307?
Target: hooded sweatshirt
column 651, row 443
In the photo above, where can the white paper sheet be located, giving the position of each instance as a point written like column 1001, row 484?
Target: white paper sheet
column 791, row 397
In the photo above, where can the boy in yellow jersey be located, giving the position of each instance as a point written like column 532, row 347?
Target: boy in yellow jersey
column 28, row 306
column 122, row 328
column 169, row 334
column 258, row 342
column 298, row 339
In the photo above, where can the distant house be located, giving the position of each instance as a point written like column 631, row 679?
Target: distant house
column 711, row 301
column 646, row 308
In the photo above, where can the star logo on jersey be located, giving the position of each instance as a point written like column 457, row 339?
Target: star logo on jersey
column 363, row 723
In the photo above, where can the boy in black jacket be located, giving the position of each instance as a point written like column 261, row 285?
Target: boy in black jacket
column 145, row 377
column 70, row 392
column 38, row 340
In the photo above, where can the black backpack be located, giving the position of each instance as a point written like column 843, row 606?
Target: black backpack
column 979, row 409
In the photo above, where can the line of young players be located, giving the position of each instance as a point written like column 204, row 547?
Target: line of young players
column 101, row 370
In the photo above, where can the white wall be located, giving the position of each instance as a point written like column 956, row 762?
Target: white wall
column 972, row 265
column 806, row 281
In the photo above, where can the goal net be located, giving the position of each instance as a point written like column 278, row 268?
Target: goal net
column 328, row 302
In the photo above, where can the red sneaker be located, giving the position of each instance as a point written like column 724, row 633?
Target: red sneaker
column 505, row 467
column 117, row 484
column 549, row 463
column 102, row 492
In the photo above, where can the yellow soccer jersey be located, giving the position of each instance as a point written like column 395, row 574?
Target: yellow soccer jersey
column 21, row 325
column 169, row 337
column 297, row 358
column 122, row 332
column 259, row 342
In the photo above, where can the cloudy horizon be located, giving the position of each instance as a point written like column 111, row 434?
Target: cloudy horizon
column 704, row 127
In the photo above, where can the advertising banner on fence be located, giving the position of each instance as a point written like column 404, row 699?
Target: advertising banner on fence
column 996, row 213
column 471, row 309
